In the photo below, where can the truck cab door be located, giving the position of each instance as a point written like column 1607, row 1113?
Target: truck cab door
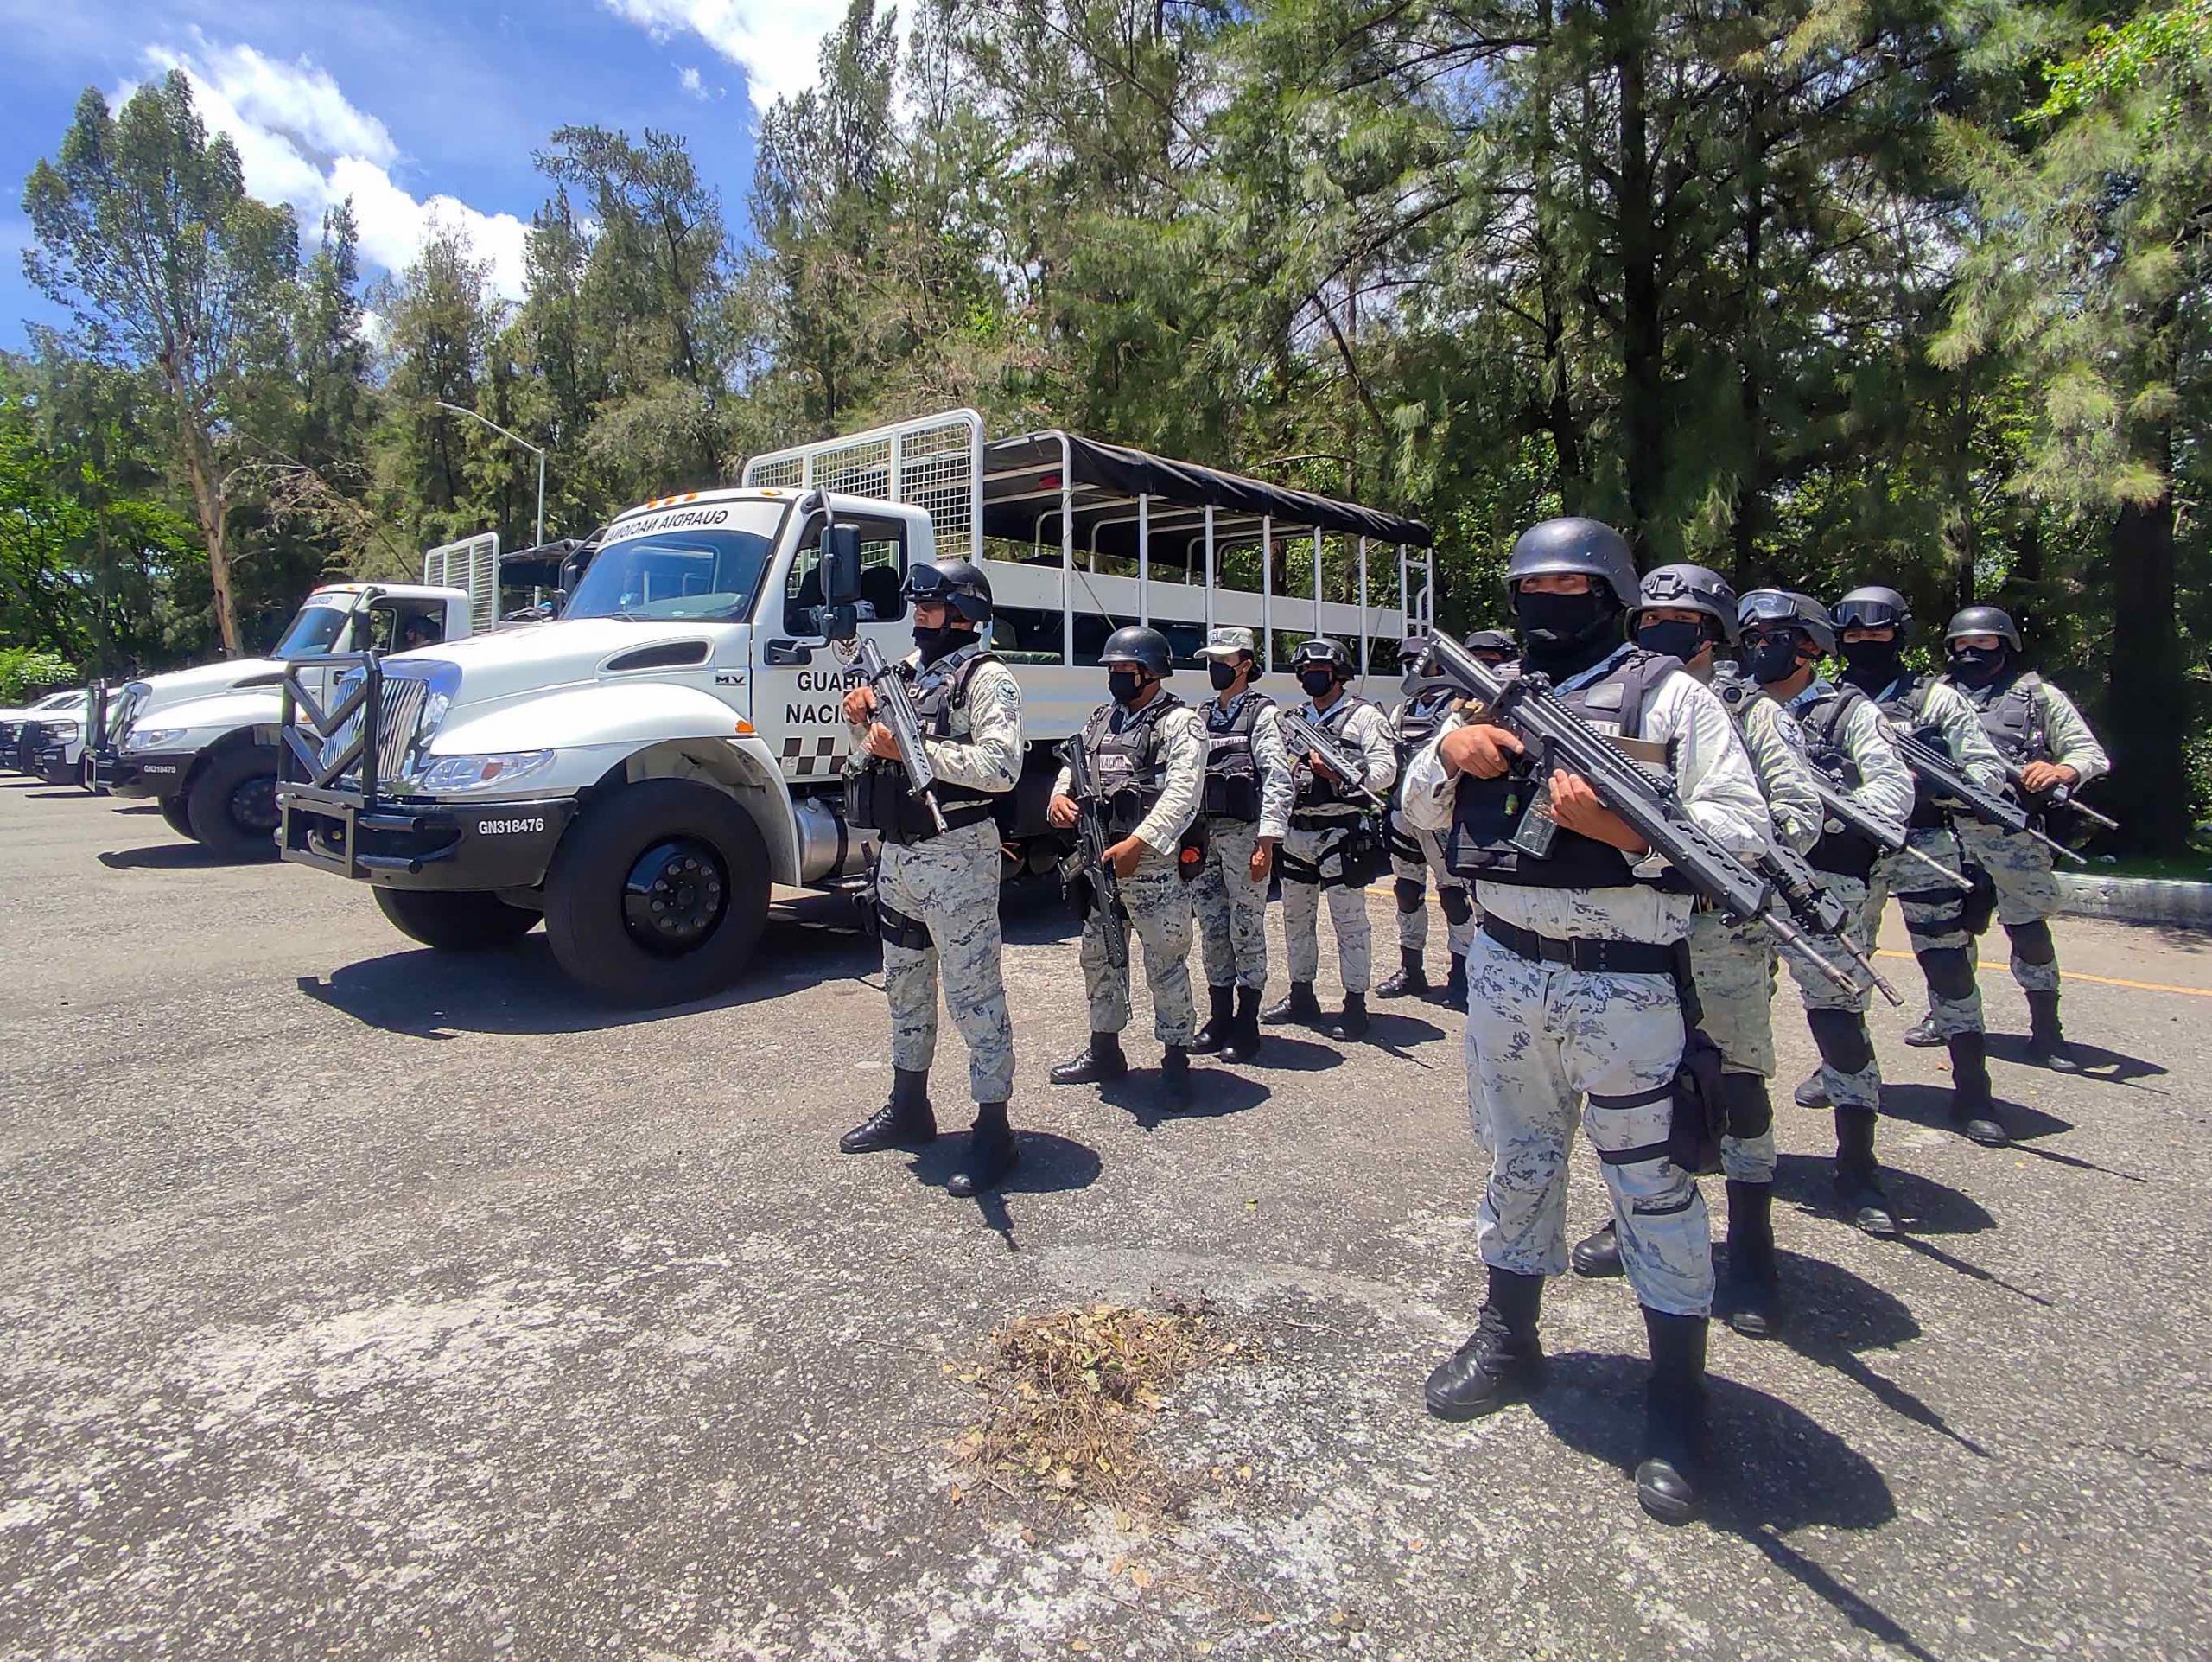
column 801, row 680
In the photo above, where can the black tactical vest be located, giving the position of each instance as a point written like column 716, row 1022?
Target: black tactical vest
column 876, row 798
column 1125, row 762
column 1907, row 704
column 1486, row 813
column 1313, row 791
column 2013, row 719
column 1845, row 852
column 1232, row 789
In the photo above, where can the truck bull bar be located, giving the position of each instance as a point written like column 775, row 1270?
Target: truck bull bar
column 320, row 814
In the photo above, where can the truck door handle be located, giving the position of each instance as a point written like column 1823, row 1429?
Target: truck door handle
column 787, row 654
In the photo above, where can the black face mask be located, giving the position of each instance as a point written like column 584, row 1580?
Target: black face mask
column 1872, row 664
column 1675, row 637
column 1769, row 661
column 1977, row 665
column 1318, row 683
column 1126, row 686
column 933, row 644
column 1224, row 676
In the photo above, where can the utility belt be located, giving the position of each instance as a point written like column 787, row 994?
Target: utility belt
column 1592, row 955
column 1231, row 796
column 876, row 799
column 1353, row 861
column 1321, row 819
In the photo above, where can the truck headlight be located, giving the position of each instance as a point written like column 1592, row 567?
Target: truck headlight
column 153, row 738
column 63, row 732
column 450, row 774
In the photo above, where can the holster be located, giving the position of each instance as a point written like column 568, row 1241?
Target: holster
column 1701, row 1110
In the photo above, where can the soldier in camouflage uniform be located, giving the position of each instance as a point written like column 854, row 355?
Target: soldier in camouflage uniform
column 1574, row 1009
column 1148, row 751
column 1417, row 856
column 1872, row 624
column 1332, row 848
column 2049, row 753
column 937, row 893
column 1783, row 639
column 1246, row 812
column 1689, row 613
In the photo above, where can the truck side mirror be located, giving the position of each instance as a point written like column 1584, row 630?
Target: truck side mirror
column 840, row 565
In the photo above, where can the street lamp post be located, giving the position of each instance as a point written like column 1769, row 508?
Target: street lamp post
column 519, row 439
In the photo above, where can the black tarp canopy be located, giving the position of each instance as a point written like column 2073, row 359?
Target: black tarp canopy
column 1022, row 481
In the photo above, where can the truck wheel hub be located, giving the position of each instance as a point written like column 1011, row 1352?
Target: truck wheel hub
column 675, row 895
column 253, row 804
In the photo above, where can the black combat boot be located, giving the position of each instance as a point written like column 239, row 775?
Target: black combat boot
column 1455, row 985
column 1674, row 1418
column 1351, row 1023
column 1858, row 1179
column 906, row 1121
column 1245, row 1032
column 1101, row 1058
column 1598, row 1255
column 1751, row 1295
column 1175, row 1077
column 1501, row 1362
column 1972, row 1111
column 992, row 1153
column 1411, row 978
column 1921, row 1035
column 2046, row 1042
column 1221, row 1022
column 1300, row 1006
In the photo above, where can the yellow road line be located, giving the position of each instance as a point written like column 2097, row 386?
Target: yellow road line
column 2101, row 980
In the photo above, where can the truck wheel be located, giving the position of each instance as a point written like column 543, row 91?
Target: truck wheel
column 658, row 894
column 454, row 921
column 231, row 803
column 177, row 814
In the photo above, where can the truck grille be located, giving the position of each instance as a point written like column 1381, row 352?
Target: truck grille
column 399, row 712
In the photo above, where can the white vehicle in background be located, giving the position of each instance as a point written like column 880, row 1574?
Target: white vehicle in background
column 640, row 771
column 202, row 743
column 23, row 728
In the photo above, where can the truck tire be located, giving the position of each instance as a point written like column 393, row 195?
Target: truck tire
column 454, row 921
column 231, row 803
column 658, row 893
column 177, row 814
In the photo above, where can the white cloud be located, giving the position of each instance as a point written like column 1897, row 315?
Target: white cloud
column 778, row 45
column 694, row 84
column 301, row 140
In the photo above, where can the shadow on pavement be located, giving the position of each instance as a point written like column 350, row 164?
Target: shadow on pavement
column 1279, row 1048
column 1051, row 1164
column 2106, row 1067
column 174, row 857
column 1390, row 1032
column 1775, row 1470
column 67, row 793
column 1216, row 1092
column 1930, row 1105
column 139, row 808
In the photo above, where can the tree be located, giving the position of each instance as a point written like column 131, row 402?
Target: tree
column 147, row 235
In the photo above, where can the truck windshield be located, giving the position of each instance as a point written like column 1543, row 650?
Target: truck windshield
column 688, row 562
column 312, row 633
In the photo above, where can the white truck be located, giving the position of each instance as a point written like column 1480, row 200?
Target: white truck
column 26, row 730
column 640, row 771
column 202, row 742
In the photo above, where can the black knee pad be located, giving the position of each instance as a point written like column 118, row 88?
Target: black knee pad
column 1841, row 1036
column 1412, row 893
column 1751, row 1110
column 1979, row 905
column 1459, row 905
column 2032, row 942
column 1949, row 972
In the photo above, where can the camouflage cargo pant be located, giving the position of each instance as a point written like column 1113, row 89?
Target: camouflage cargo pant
column 1861, row 1088
column 950, row 884
column 2027, row 896
column 1734, row 970
column 1543, row 1043
column 1410, row 885
column 1301, row 916
column 1232, row 909
column 1934, row 916
column 1158, row 902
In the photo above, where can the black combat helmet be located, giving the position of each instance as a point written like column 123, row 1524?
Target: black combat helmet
column 1764, row 607
column 1691, row 589
column 959, row 583
column 1873, row 608
column 1560, row 547
column 1492, row 640
column 1146, row 648
column 1984, row 620
column 1322, row 651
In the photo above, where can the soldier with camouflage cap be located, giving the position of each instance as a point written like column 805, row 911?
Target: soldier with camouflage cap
column 1415, row 855
column 2044, row 743
column 1689, row 613
column 1148, row 751
column 1573, row 1008
column 937, row 893
column 1246, row 811
column 1330, row 849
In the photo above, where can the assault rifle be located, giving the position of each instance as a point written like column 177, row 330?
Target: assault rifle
column 1947, row 779
column 1087, row 863
column 894, row 708
column 1305, row 738
column 1836, row 804
column 2058, row 796
column 1554, row 736
column 1817, row 910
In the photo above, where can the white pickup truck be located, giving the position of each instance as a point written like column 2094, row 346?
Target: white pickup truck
column 58, row 719
column 202, row 742
column 642, row 770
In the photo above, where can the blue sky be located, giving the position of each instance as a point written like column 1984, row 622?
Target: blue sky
column 410, row 107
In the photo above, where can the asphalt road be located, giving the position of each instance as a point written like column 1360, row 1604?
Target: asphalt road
column 360, row 1302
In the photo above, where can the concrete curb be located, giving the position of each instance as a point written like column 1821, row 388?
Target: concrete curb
column 2136, row 900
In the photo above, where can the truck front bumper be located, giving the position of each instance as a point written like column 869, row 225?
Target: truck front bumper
column 404, row 844
column 150, row 773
